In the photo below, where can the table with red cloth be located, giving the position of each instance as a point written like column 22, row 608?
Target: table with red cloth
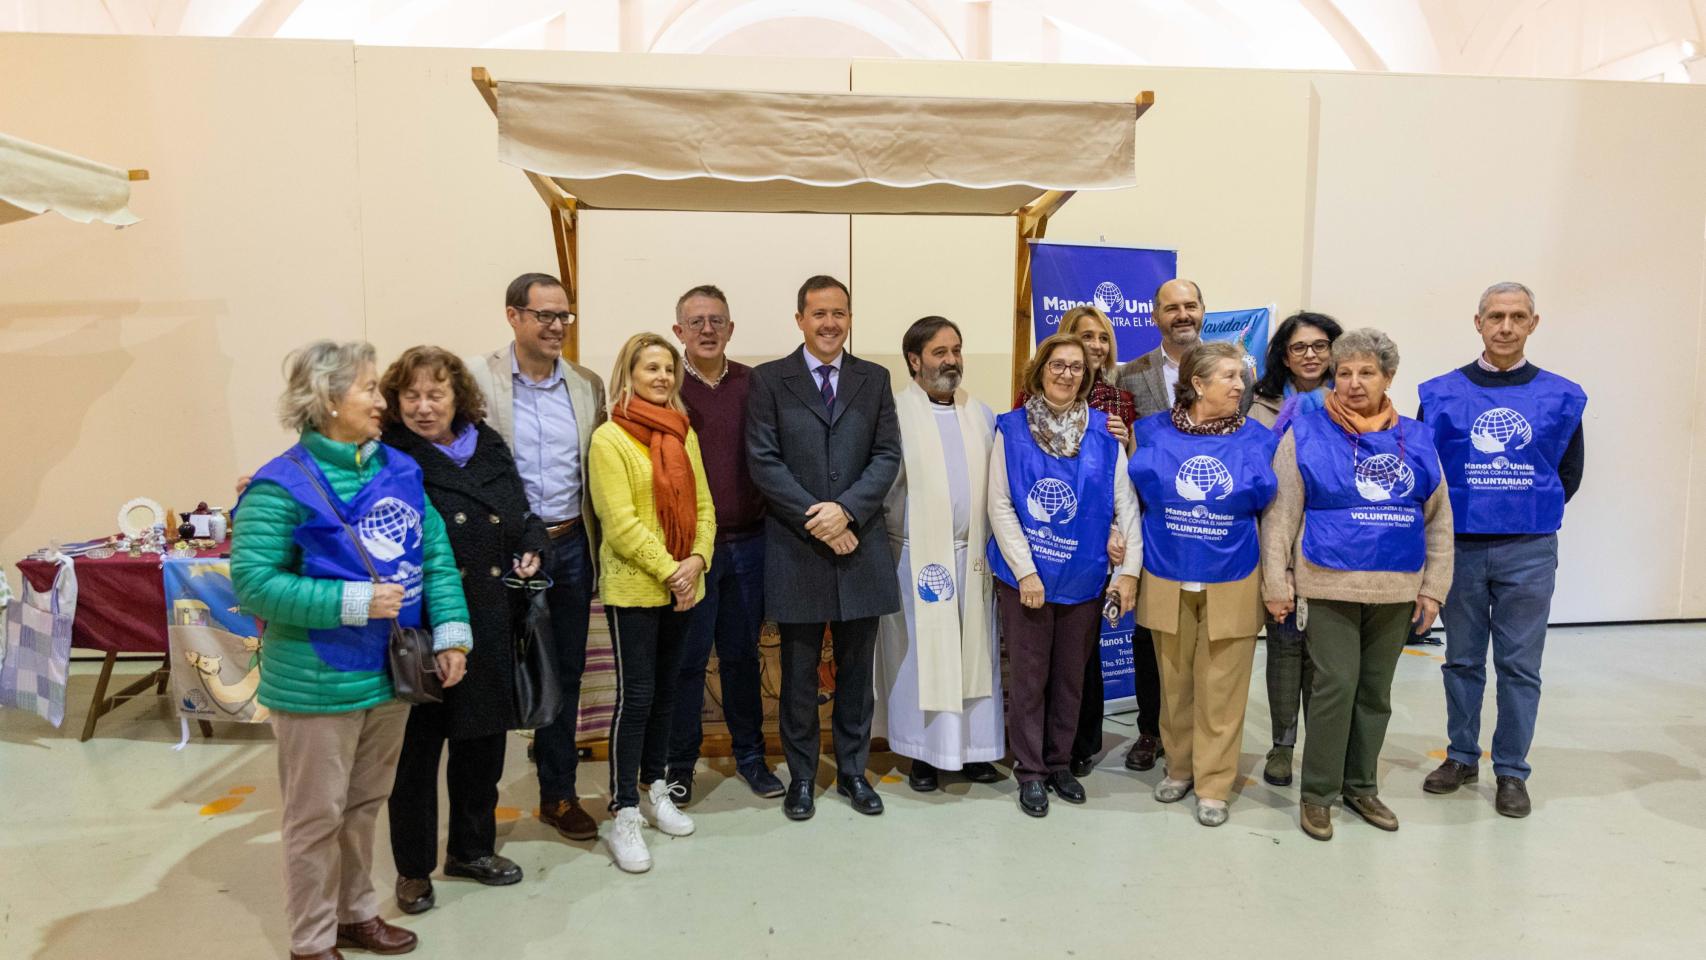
column 121, row 608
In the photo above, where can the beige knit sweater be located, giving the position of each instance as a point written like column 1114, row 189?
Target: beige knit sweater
column 1287, row 575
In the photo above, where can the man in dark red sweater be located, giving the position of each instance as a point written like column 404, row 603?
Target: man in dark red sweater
column 732, row 613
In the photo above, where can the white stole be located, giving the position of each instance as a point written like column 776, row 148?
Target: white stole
column 953, row 653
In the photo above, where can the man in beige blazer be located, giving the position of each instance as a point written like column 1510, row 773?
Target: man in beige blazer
column 546, row 408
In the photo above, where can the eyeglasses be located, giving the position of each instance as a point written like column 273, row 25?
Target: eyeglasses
column 550, row 318
column 1061, row 368
column 532, row 584
column 1314, row 346
column 697, row 323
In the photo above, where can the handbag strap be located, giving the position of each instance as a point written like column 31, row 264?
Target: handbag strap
column 320, row 488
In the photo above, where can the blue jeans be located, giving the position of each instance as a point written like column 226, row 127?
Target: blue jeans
column 570, row 598
column 730, row 617
column 1500, row 591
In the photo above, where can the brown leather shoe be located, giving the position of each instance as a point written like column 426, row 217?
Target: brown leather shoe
column 570, row 819
column 1450, row 775
column 331, row 954
column 375, row 936
column 1317, row 820
column 414, row 894
column 1371, row 809
column 1142, row 754
column 1512, row 798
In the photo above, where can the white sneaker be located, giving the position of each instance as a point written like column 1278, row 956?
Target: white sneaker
column 625, row 844
column 666, row 816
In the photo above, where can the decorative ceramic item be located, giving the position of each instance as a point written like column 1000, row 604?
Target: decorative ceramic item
column 139, row 516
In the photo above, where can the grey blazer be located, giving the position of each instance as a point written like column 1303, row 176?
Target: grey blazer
column 494, row 374
column 1146, row 382
column 799, row 455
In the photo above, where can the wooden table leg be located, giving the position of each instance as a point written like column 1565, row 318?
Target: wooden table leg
column 165, row 674
column 206, row 728
column 99, row 705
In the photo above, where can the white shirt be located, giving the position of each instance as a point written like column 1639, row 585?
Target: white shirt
column 812, row 363
column 1169, row 376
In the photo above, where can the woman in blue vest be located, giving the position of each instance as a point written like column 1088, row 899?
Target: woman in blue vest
column 1357, row 543
column 1203, row 473
column 1057, row 489
column 324, row 667
column 1297, row 379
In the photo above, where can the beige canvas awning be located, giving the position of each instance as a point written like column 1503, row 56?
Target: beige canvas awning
column 35, row 179
column 653, row 148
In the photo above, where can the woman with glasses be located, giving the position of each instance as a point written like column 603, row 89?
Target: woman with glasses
column 433, row 413
column 1296, row 380
column 1358, row 543
column 650, row 493
column 1057, row 488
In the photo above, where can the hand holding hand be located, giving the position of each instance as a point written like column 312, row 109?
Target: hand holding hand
column 452, row 667
column 685, row 579
column 844, row 544
column 1116, row 548
column 826, row 520
column 1280, row 609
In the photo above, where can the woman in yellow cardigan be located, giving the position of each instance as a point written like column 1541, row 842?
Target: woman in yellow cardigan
column 649, row 491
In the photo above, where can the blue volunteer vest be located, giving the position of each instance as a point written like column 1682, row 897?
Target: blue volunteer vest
column 1363, row 503
column 1066, row 508
column 1501, row 447
column 387, row 514
column 1201, row 497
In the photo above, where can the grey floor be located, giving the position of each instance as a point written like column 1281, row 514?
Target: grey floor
column 122, row 848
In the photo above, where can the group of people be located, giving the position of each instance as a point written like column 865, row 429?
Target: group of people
column 927, row 536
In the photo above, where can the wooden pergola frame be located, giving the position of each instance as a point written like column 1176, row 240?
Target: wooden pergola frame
column 1031, row 223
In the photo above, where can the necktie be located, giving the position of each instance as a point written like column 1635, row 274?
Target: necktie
column 828, row 390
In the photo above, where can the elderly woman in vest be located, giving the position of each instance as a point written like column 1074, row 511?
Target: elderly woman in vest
column 1298, row 377
column 433, row 412
column 1358, row 543
column 654, row 503
column 1057, row 490
column 338, row 540
column 1203, row 473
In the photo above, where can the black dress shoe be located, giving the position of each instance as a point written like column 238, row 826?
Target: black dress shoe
column 1063, row 783
column 1142, row 754
column 922, row 777
column 492, row 870
column 980, row 772
column 1033, row 798
column 1512, row 798
column 762, row 782
column 680, row 784
column 1082, row 767
column 798, row 805
column 863, row 798
column 414, row 894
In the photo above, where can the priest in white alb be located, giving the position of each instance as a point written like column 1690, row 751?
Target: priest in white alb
column 937, row 665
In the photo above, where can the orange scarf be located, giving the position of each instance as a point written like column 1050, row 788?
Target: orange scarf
column 1355, row 423
column 664, row 432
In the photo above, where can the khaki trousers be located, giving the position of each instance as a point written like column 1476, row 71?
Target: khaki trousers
column 1204, row 687
column 335, row 771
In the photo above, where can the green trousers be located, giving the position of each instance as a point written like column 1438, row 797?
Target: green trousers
column 1354, row 648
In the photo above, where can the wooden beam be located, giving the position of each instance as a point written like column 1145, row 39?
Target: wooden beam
column 488, row 87
column 1145, row 100
column 565, row 227
column 135, row 175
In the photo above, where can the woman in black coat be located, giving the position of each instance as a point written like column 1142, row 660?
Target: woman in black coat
column 434, row 411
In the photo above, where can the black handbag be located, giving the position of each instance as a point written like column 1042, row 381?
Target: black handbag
column 538, row 698
column 413, row 663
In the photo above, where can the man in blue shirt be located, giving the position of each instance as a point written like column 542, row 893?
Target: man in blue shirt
column 546, row 408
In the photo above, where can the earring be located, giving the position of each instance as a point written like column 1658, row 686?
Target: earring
column 334, row 413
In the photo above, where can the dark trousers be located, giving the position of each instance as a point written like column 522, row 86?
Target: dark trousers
column 647, row 642
column 1501, row 595
column 1046, row 648
column 1355, row 649
column 1146, row 677
column 1289, row 678
column 850, row 719
column 471, row 778
column 570, row 597
column 729, row 618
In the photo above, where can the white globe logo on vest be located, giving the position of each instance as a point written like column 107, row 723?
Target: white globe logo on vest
column 1494, row 430
column 1051, row 501
column 1109, row 297
column 1202, row 475
column 1384, row 477
column 935, row 583
column 386, row 530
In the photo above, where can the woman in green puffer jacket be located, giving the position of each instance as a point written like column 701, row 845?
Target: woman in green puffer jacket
column 323, row 661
